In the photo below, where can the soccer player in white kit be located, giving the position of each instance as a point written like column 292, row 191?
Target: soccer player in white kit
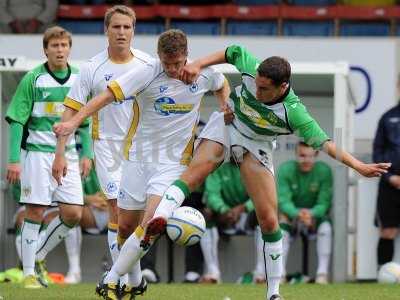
column 111, row 124
column 162, row 141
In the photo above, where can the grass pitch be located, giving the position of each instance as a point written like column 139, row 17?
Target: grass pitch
column 213, row 292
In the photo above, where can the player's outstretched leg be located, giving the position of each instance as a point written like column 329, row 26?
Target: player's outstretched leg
column 209, row 154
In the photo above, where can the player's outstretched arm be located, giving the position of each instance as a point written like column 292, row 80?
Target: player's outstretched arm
column 191, row 71
column 367, row 170
column 94, row 105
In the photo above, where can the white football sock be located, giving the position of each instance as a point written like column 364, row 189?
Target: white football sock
column 273, row 260
column 206, row 248
column 171, row 200
column 259, row 270
column 55, row 233
column 112, row 241
column 324, row 247
column 129, row 255
column 135, row 275
column 73, row 243
column 214, row 243
column 29, row 244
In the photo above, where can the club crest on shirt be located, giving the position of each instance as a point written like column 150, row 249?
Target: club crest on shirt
column 194, row 87
column 107, row 77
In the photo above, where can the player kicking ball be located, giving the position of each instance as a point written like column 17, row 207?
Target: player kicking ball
column 160, row 143
column 264, row 106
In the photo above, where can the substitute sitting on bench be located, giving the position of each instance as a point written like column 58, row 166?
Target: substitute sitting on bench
column 305, row 195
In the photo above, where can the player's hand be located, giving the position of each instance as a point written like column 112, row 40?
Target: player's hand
column 373, row 170
column 306, row 217
column 227, row 219
column 59, row 168
column 85, row 166
column 236, row 212
column 64, row 128
column 228, row 113
column 13, row 173
column 394, row 180
column 190, row 73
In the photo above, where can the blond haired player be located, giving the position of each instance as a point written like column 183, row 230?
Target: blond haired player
column 162, row 142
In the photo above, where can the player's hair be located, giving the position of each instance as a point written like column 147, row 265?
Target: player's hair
column 275, row 68
column 172, row 42
column 119, row 9
column 304, row 144
column 56, row 32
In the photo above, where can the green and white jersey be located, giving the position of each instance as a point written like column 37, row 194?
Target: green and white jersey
column 38, row 104
column 262, row 121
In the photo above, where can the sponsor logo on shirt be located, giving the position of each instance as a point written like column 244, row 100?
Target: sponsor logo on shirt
column 166, row 106
column 54, row 108
column 107, row 77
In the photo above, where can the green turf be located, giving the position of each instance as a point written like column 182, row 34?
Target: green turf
column 215, row 292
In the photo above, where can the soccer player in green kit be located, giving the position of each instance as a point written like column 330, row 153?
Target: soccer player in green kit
column 264, row 106
column 36, row 105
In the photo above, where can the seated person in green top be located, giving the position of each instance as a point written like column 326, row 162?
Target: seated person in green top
column 304, row 198
column 226, row 199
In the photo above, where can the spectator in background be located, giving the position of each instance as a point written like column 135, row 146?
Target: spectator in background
column 387, row 145
column 27, row 16
column 226, row 200
column 304, row 197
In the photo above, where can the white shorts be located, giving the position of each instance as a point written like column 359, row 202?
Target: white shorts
column 140, row 179
column 108, row 160
column 39, row 187
column 237, row 143
column 100, row 217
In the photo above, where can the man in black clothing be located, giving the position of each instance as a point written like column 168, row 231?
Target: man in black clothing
column 387, row 147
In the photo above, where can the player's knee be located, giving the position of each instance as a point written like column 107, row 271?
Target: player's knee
column 34, row 213
column 72, row 216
